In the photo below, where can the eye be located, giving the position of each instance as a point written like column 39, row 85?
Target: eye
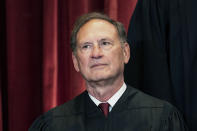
column 106, row 43
column 86, row 46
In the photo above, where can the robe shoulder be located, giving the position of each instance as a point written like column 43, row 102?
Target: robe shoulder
column 58, row 114
column 163, row 114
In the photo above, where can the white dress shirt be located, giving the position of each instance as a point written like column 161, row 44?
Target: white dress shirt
column 112, row 101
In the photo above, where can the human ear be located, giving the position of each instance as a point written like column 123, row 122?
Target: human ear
column 126, row 53
column 75, row 62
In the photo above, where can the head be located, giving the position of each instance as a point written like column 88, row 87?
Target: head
column 99, row 47
column 95, row 15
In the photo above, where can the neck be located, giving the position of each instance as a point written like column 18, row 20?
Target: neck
column 105, row 89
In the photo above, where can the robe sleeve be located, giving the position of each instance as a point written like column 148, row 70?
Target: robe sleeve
column 173, row 121
column 40, row 124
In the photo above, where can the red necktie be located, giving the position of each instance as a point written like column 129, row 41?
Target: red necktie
column 105, row 108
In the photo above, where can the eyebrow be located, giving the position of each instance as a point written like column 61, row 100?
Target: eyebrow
column 102, row 39
column 105, row 39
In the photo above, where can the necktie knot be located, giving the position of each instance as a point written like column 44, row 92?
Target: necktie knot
column 105, row 108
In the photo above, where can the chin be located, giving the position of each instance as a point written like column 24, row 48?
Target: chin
column 100, row 77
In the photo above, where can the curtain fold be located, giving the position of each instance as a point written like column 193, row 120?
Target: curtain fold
column 1, row 114
column 3, row 80
column 111, row 7
column 50, row 53
column 24, row 62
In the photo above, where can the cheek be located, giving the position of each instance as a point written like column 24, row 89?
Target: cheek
column 83, row 63
column 116, row 60
column 118, row 57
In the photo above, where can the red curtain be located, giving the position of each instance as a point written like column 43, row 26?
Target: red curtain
column 36, row 70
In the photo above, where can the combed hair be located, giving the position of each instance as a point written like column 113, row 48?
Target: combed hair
column 95, row 15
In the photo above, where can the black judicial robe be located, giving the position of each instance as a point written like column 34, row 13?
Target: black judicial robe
column 134, row 111
column 163, row 41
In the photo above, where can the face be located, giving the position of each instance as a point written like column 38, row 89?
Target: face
column 99, row 54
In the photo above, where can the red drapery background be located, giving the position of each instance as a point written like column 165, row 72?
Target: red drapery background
column 36, row 71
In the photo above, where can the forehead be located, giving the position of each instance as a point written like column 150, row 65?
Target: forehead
column 96, row 28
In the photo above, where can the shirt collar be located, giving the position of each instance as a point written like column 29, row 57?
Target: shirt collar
column 112, row 101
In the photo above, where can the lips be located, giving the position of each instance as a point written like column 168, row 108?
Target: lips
column 97, row 65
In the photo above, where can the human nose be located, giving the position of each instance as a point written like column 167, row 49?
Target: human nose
column 96, row 52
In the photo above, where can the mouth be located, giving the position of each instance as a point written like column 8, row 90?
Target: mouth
column 97, row 65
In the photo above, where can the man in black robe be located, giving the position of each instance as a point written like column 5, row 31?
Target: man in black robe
column 100, row 51
column 163, row 41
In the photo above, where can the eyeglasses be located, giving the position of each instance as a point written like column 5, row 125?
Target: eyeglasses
column 103, row 45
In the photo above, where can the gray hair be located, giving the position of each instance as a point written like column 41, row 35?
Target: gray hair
column 95, row 15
